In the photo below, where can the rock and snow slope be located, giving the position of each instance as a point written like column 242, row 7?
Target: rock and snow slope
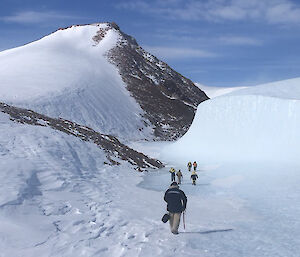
column 57, row 198
column 113, row 148
column 66, row 74
column 168, row 99
column 260, row 123
column 56, row 184
column 80, row 74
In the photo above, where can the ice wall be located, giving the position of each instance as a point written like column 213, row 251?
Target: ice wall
column 242, row 128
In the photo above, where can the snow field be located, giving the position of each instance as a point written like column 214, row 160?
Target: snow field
column 287, row 89
column 213, row 92
column 259, row 202
column 71, row 204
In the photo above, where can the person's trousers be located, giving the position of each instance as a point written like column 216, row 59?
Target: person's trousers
column 179, row 180
column 174, row 222
column 173, row 177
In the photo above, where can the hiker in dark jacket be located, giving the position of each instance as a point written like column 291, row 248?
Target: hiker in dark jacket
column 177, row 201
column 194, row 177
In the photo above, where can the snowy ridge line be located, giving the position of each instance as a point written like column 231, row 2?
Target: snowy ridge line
column 110, row 144
column 96, row 39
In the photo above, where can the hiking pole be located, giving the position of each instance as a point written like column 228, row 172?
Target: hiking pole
column 183, row 220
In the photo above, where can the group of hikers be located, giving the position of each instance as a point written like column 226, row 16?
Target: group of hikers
column 179, row 175
column 176, row 198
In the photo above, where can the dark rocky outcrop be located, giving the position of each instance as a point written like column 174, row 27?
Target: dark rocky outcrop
column 168, row 98
column 111, row 145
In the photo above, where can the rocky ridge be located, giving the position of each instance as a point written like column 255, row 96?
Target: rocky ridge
column 113, row 148
column 168, row 99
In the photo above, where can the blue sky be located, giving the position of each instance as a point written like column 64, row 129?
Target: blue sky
column 213, row 42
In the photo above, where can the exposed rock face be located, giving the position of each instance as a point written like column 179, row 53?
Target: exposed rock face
column 168, row 98
column 111, row 145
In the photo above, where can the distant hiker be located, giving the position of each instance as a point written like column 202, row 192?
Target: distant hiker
column 176, row 200
column 195, row 165
column 194, row 177
column 179, row 176
column 172, row 171
column 189, row 165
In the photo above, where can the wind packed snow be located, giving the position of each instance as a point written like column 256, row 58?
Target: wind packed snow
column 59, row 199
column 67, row 74
column 246, row 125
column 51, row 64
column 213, row 92
column 288, row 89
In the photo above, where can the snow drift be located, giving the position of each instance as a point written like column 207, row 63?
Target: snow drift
column 213, row 92
column 257, row 124
column 288, row 89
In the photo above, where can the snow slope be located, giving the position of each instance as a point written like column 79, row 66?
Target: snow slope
column 67, row 74
column 289, row 89
column 255, row 124
column 213, row 92
column 260, row 203
column 55, row 188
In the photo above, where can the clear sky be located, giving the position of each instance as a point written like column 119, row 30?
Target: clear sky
column 213, row 42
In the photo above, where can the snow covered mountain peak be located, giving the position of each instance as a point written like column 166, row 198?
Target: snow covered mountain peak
column 49, row 65
column 92, row 33
column 98, row 76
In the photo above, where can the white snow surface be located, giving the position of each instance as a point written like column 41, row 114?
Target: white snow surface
column 213, row 92
column 260, row 124
column 67, row 74
column 289, row 89
column 59, row 199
